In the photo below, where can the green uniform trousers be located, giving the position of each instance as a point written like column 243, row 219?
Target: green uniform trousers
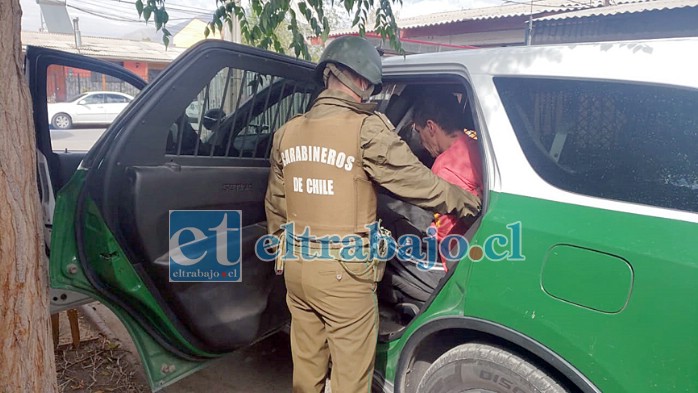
column 334, row 315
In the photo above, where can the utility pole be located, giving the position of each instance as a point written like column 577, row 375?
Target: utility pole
column 529, row 30
column 76, row 33
column 231, row 33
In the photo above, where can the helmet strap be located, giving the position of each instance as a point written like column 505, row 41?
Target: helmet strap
column 364, row 94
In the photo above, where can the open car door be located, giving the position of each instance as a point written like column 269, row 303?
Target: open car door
column 55, row 77
column 196, row 139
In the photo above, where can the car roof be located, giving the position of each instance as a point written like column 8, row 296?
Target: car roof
column 107, row 92
column 666, row 61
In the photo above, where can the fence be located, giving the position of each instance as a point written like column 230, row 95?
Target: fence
column 65, row 87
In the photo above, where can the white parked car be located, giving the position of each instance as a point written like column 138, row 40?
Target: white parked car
column 97, row 107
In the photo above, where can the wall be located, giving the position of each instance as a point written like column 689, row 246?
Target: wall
column 137, row 67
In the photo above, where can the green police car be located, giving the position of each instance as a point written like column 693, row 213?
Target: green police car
column 592, row 148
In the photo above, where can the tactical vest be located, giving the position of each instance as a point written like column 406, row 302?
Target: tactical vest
column 326, row 187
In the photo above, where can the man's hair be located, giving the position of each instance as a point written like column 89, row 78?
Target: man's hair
column 441, row 108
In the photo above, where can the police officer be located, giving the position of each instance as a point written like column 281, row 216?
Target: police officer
column 324, row 168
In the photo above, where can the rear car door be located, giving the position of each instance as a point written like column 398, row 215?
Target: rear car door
column 90, row 109
column 113, row 105
column 160, row 164
column 56, row 76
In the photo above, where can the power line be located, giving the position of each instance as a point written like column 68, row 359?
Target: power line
column 102, row 15
column 110, row 16
column 105, row 7
column 175, row 7
column 128, row 9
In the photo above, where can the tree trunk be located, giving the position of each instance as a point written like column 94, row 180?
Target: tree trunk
column 26, row 350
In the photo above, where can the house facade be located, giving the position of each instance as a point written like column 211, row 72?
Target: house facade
column 543, row 22
column 145, row 59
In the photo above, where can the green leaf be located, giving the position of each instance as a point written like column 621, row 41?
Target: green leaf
column 278, row 47
column 166, row 40
column 158, row 19
column 146, row 13
column 325, row 28
column 357, row 19
column 257, row 7
column 263, row 24
column 273, row 24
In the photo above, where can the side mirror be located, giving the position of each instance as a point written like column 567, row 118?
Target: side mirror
column 82, row 102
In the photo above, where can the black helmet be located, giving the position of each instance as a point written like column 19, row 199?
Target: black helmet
column 355, row 53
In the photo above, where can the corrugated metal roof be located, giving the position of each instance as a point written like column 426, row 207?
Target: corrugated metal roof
column 514, row 8
column 624, row 8
column 104, row 48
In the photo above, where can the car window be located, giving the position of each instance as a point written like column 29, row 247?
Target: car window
column 622, row 141
column 74, row 113
column 78, row 97
column 115, row 99
column 92, row 99
column 236, row 113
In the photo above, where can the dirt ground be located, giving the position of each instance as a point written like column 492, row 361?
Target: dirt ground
column 110, row 364
column 263, row 368
column 98, row 365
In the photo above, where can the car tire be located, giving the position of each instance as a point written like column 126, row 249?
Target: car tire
column 62, row 121
column 482, row 368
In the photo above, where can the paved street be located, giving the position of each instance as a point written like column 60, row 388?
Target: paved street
column 76, row 139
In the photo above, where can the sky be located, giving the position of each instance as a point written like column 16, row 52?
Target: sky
column 119, row 17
